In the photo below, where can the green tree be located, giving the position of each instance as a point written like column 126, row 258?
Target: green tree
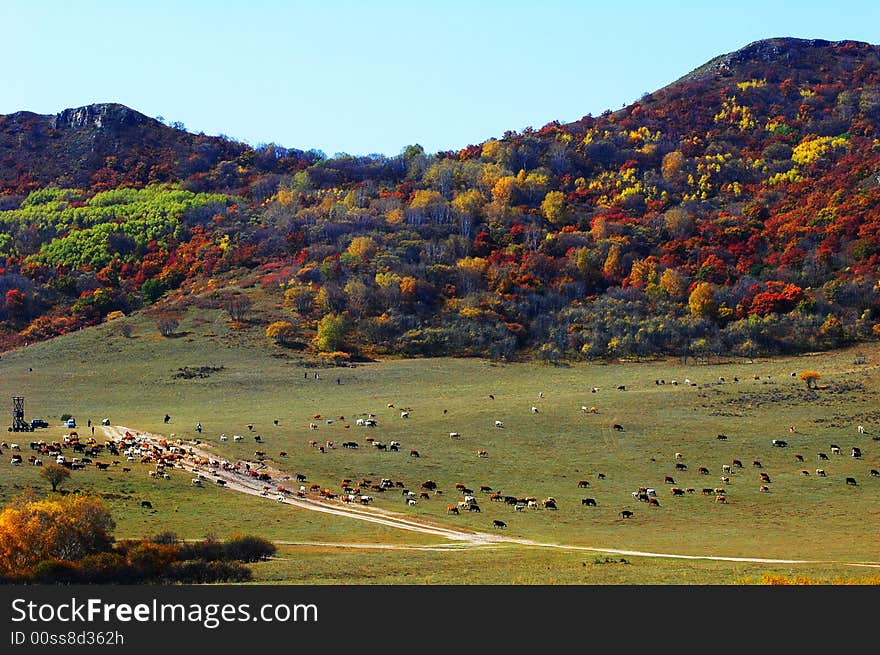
column 333, row 332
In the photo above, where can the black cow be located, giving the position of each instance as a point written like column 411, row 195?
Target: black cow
column 626, row 514
column 779, row 443
column 147, row 504
column 851, row 481
column 856, row 452
column 590, row 502
column 875, row 473
column 721, row 437
column 498, row 524
column 618, row 427
column 300, row 477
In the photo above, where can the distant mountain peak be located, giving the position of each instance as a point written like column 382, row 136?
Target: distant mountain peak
column 99, row 115
column 776, row 50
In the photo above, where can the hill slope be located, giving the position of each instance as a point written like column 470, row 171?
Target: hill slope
column 733, row 211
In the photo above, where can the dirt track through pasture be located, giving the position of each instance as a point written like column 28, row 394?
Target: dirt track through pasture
column 462, row 538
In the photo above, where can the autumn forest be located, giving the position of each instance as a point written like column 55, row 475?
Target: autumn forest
column 733, row 212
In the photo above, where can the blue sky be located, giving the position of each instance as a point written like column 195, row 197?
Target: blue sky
column 373, row 77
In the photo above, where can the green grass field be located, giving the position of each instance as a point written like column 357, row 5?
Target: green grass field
column 98, row 373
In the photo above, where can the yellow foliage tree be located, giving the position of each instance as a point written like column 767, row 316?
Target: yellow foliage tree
column 673, row 283
column 643, row 272
column 503, row 191
column 362, row 247
column 702, row 301
column 671, row 167
column 469, row 203
column 478, row 264
column 554, row 208
column 488, row 177
column 387, row 279
column 282, row 332
column 395, row 216
column 67, row 528
column 493, row 149
column 425, row 199
column 332, row 333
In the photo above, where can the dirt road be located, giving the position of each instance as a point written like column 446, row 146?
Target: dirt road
column 461, row 538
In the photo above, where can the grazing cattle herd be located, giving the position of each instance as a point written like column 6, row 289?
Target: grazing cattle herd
column 166, row 455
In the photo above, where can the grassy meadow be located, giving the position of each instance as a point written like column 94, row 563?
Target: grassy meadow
column 134, row 381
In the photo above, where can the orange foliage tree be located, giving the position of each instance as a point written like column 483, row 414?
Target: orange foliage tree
column 282, row 332
column 66, row 528
column 810, row 378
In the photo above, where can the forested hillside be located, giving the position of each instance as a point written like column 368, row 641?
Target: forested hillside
column 732, row 212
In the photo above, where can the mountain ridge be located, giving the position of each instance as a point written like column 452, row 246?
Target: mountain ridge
column 735, row 210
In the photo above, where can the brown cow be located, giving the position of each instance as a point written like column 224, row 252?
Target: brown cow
column 451, row 509
column 668, row 480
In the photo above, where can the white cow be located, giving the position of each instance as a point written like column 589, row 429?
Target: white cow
column 534, row 410
column 454, row 435
column 499, row 424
